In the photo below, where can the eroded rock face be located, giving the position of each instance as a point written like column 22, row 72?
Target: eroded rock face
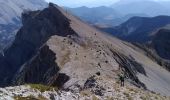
column 37, row 29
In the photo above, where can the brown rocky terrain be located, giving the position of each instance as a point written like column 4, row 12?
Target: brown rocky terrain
column 55, row 48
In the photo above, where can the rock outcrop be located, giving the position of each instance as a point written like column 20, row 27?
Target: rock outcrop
column 29, row 92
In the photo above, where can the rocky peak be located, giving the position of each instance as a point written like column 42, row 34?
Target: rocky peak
column 37, row 28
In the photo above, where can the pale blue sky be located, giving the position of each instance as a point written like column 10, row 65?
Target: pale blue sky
column 89, row 3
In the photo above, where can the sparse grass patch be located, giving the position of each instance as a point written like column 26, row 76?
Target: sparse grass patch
column 156, row 98
column 42, row 88
column 143, row 98
column 40, row 97
column 25, row 98
column 117, row 89
column 129, row 98
column 95, row 98
column 127, row 95
column 110, row 98
column 131, row 89
column 85, row 93
column 66, row 58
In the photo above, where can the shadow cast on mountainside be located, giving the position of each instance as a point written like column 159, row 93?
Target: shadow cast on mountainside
column 41, row 69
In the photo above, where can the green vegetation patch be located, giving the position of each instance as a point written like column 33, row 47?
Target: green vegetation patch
column 95, row 98
column 42, row 88
column 30, row 98
column 25, row 98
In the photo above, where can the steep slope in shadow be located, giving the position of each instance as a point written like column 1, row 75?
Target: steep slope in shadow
column 41, row 69
column 139, row 29
column 159, row 47
column 161, row 43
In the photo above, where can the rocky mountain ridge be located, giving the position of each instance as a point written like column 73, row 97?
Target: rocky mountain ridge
column 29, row 38
column 60, row 50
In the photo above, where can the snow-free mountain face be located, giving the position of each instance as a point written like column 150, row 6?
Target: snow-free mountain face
column 120, row 12
column 149, row 33
column 161, row 43
column 101, row 15
column 10, row 16
column 139, row 29
column 57, row 49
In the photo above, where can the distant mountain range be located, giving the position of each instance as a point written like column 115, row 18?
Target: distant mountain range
column 10, row 17
column 102, row 16
column 120, row 12
column 139, row 29
column 97, row 15
column 148, row 7
column 135, row 21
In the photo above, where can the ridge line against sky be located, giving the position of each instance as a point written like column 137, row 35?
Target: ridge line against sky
column 89, row 3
